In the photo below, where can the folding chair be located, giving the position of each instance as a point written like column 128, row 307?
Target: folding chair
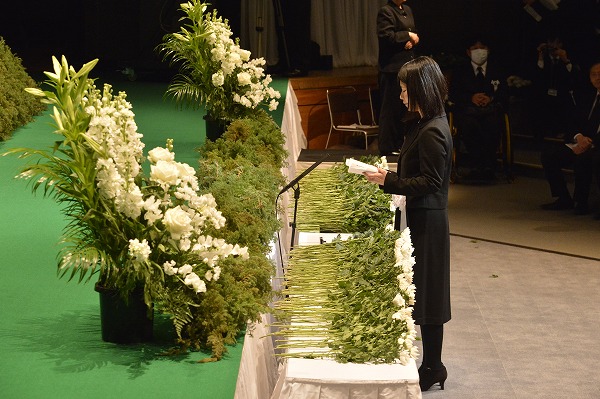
column 375, row 102
column 344, row 112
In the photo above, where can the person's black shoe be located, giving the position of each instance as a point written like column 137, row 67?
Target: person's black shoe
column 558, row 205
column 428, row 377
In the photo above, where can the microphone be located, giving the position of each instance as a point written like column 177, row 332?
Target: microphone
column 304, row 173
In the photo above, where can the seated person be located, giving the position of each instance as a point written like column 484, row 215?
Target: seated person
column 479, row 94
column 580, row 151
column 553, row 82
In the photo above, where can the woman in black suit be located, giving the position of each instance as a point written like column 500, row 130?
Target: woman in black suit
column 397, row 37
column 423, row 176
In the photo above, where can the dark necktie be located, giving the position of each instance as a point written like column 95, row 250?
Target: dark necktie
column 591, row 127
column 480, row 79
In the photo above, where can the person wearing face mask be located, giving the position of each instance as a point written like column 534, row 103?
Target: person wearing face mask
column 479, row 99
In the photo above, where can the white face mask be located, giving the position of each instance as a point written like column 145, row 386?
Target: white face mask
column 479, row 56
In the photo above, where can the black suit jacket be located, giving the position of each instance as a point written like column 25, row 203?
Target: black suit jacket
column 424, row 165
column 464, row 84
column 393, row 26
column 585, row 102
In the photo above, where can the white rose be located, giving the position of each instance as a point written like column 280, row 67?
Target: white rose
column 244, row 54
column 244, row 78
column 178, row 222
column 160, row 154
column 164, row 172
column 185, row 170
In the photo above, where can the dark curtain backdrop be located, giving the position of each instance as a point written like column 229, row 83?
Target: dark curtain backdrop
column 125, row 32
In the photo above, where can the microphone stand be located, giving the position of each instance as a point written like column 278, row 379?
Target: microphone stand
column 296, row 187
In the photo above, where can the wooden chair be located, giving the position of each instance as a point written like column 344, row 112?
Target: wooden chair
column 345, row 114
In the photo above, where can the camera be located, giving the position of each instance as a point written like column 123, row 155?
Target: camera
column 551, row 49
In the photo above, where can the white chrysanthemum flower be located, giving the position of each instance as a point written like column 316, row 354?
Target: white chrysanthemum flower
column 404, row 358
column 399, row 300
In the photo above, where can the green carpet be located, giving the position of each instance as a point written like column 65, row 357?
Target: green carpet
column 50, row 342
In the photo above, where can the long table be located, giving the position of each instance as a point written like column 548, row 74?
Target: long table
column 262, row 375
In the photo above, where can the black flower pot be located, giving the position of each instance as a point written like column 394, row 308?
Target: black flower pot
column 214, row 127
column 124, row 321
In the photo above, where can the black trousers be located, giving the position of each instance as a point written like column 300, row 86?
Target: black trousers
column 555, row 157
column 480, row 131
column 391, row 114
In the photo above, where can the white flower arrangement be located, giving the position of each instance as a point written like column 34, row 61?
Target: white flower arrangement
column 336, row 303
column 405, row 299
column 167, row 200
column 128, row 229
column 214, row 71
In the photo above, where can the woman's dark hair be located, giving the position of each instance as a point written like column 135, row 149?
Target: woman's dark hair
column 426, row 85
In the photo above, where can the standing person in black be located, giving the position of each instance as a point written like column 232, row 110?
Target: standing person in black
column 581, row 151
column 423, row 176
column 397, row 36
column 479, row 94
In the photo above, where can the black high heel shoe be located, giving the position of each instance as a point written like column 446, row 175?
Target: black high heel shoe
column 428, row 377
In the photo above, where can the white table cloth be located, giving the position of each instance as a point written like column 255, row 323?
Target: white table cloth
column 326, row 379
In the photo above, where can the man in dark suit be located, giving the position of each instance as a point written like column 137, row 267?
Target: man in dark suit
column 397, row 37
column 479, row 99
column 580, row 151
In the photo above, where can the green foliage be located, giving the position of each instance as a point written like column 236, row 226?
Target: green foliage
column 257, row 139
column 243, row 172
column 340, row 295
column 213, row 70
column 364, row 330
column 342, row 202
column 17, row 108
